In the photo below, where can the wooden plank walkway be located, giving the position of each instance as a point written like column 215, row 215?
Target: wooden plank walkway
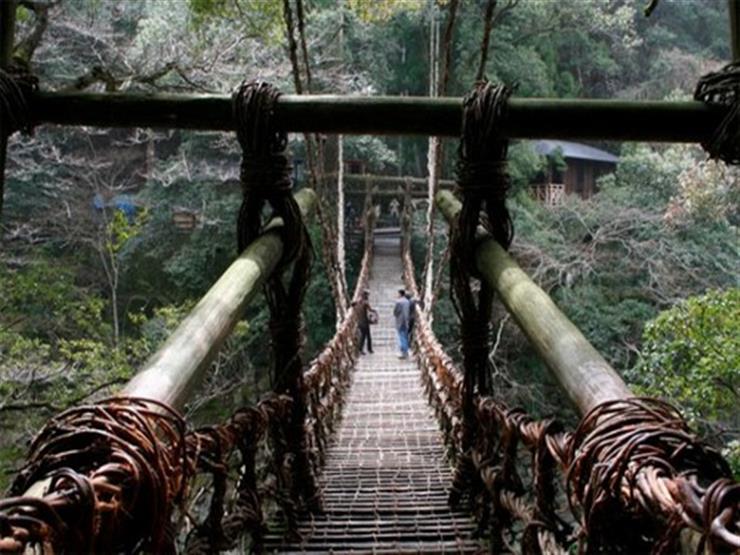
column 386, row 479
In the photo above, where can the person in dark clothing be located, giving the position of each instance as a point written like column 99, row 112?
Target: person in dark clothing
column 412, row 313
column 363, row 323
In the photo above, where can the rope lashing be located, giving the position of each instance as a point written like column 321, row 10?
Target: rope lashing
column 211, row 447
column 14, row 112
column 115, row 472
column 483, row 183
column 265, row 169
column 265, row 179
column 722, row 88
column 630, row 460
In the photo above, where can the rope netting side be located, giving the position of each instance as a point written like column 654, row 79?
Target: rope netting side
column 329, row 375
column 631, row 465
column 629, row 479
column 116, row 476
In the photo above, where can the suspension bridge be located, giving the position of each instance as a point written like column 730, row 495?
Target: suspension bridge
column 353, row 454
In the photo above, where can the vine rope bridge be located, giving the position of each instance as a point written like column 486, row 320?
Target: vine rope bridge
column 351, row 454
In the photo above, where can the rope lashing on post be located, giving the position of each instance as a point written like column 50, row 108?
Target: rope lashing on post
column 722, row 88
column 265, row 179
column 483, row 183
column 115, row 472
column 634, row 465
column 14, row 113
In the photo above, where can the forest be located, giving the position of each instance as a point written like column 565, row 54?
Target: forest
column 110, row 236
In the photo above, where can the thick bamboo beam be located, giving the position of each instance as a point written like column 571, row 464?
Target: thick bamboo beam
column 176, row 369
column 528, row 117
column 391, row 180
column 582, row 372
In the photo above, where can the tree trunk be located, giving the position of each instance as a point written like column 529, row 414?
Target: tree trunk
column 438, row 87
column 487, row 26
column 432, row 184
column 314, row 161
column 340, row 208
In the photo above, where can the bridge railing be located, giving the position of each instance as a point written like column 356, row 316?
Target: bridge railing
column 631, row 464
column 111, row 476
column 329, row 375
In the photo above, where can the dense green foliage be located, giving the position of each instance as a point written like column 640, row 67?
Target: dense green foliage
column 691, row 353
column 94, row 271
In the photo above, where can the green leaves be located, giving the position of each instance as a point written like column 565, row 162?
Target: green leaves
column 691, row 355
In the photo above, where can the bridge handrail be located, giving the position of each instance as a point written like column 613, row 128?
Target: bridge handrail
column 131, row 459
column 172, row 373
column 328, row 376
column 693, row 491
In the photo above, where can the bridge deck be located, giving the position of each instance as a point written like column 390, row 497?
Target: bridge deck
column 386, row 479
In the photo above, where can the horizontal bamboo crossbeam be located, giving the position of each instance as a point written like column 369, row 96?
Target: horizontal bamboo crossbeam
column 528, row 117
column 176, row 369
column 392, row 180
column 584, row 375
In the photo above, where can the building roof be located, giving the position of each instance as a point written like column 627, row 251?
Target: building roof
column 574, row 150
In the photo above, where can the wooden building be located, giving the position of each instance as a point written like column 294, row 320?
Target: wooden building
column 573, row 168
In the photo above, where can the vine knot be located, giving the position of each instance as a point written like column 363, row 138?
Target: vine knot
column 722, row 88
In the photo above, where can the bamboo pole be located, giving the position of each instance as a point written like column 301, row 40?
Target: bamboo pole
column 389, row 180
column 385, row 193
column 173, row 373
column 528, row 117
column 582, row 372
column 176, row 369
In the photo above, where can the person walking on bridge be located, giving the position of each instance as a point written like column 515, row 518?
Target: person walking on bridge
column 364, row 317
column 402, row 314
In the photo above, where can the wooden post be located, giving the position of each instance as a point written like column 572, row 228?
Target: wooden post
column 582, row 372
column 620, row 120
column 175, row 370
